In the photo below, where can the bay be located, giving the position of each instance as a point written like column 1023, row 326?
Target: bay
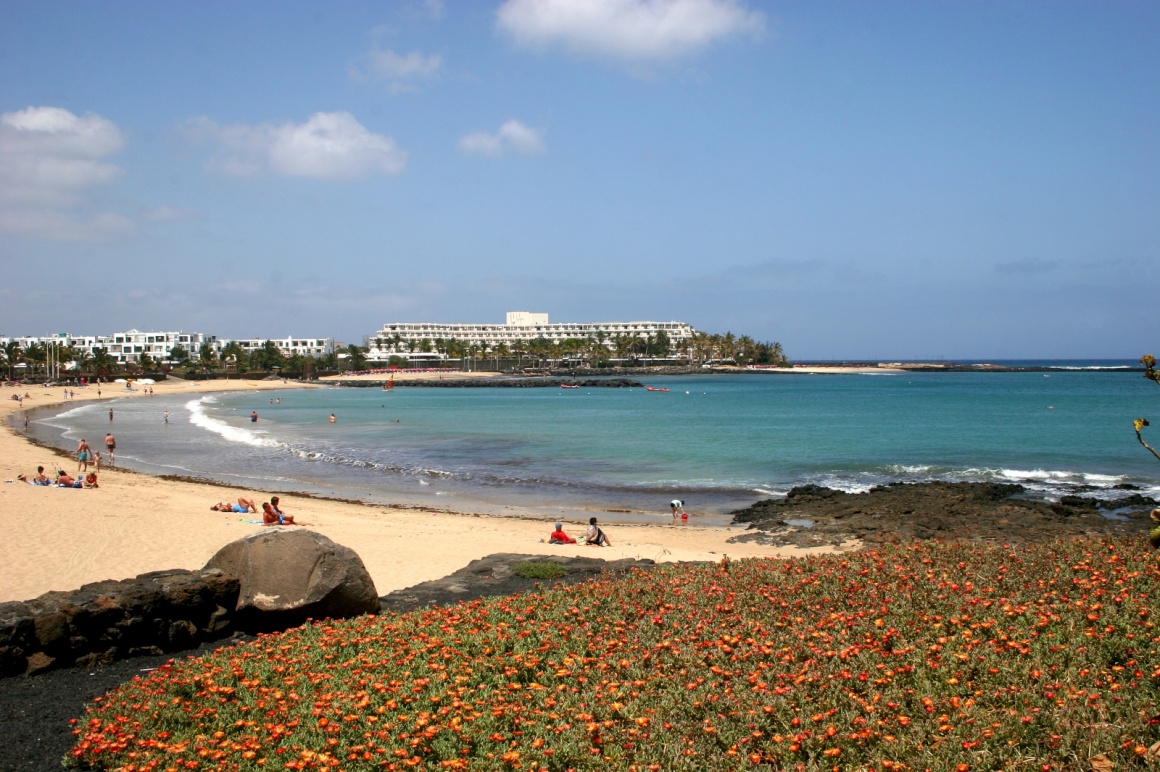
column 717, row 441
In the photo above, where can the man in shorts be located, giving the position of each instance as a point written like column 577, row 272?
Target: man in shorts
column 110, row 445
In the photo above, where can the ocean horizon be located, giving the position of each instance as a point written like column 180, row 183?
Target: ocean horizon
column 719, row 442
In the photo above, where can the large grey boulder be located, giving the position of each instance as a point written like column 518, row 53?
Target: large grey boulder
column 290, row 575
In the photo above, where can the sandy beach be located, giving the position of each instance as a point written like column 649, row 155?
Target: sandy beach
column 60, row 539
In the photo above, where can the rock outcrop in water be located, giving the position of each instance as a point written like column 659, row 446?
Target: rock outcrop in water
column 510, row 383
column 812, row 516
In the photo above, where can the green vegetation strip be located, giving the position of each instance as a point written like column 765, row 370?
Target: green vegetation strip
column 940, row 657
column 541, row 570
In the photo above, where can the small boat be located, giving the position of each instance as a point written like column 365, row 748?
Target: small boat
column 389, row 384
column 654, row 388
column 569, row 386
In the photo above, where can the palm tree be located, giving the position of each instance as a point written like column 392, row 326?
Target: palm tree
column 356, row 356
column 179, row 353
column 232, row 354
column 12, row 353
column 84, row 361
column 661, row 346
column 103, row 361
column 35, row 354
column 207, row 356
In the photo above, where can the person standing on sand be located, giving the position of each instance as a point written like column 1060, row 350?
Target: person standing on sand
column 84, row 452
column 110, row 442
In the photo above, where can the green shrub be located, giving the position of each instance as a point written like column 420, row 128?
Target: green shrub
column 544, row 569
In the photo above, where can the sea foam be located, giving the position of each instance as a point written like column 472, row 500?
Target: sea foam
column 198, row 417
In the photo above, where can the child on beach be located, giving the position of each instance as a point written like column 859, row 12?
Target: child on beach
column 284, row 518
column 271, row 517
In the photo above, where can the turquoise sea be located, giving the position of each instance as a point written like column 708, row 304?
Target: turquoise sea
column 717, row 441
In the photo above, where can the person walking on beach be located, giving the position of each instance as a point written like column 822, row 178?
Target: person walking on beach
column 110, row 442
column 595, row 536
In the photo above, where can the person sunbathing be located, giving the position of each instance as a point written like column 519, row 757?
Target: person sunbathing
column 243, row 505
column 271, row 516
column 38, row 479
column 64, row 480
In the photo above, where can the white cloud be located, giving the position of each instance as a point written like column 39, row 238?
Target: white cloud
column 634, row 30
column 327, row 146
column 512, row 137
column 52, row 164
column 402, row 72
column 50, row 156
column 58, row 225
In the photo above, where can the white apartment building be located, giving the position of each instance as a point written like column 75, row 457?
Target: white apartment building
column 521, row 326
column 308, row 347
column 124, row 347
column 128, row 346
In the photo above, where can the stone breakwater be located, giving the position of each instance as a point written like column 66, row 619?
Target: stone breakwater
column 811, row 516
column 510, row 383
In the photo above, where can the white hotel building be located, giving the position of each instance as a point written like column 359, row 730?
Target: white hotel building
column 521, row 327
column 307, row 347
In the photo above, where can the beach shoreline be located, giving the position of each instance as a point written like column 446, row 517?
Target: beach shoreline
column 59, row 539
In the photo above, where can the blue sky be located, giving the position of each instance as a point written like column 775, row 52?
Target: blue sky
column 855, row 180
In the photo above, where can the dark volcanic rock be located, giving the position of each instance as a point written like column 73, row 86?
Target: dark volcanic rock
column 289, row 576
column 903, row 512
column 495, row 575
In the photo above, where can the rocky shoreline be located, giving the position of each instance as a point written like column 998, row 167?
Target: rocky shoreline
column 500, row 382
column 813, row 516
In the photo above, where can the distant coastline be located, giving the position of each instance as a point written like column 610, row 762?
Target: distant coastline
column 619, row 376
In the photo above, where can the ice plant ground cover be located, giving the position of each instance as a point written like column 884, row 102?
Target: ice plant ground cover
column 937, row 657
